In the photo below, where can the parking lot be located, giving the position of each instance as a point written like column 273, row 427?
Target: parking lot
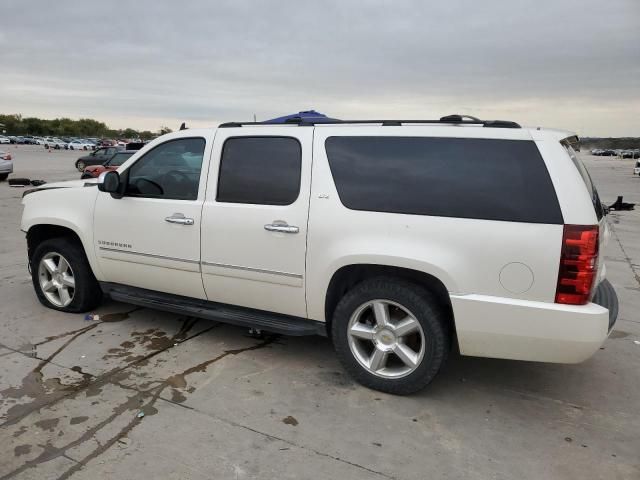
column 143, row 394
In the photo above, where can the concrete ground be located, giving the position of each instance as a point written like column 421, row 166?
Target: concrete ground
column 145, row 394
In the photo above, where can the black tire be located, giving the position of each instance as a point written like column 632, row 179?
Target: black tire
column 426, row 310
column 3, row 176
column 80, row 166
column 87, row 293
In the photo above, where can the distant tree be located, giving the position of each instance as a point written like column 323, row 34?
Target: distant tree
column 164, row 130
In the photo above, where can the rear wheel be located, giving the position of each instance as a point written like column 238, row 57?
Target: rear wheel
column 62, row 276
column 3, row 176
column 391, row 335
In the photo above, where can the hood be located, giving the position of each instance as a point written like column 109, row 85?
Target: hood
column 68, row 184
column 89, row 182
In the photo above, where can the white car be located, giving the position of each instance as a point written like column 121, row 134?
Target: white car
column 398, row 239
column 4, row 139
column 636, row 169
column 54, row 143
column 6, row 165
column 79, row 145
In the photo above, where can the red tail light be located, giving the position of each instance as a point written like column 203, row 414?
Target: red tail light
column 578, row 264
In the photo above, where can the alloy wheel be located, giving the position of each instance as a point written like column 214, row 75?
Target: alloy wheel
column 57, row 280
column 386, row 339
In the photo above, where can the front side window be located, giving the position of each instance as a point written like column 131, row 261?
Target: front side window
column 476, row 178
column 171, row 171
column 260, row 170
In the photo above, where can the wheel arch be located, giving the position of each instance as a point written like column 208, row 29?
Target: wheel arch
column 346, row 277
column 38, row 233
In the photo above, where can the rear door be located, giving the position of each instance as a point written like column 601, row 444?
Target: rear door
column 254, row 219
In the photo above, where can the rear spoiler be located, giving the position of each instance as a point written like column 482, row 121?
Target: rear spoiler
column 574, row 141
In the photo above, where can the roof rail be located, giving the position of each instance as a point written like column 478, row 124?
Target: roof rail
column 449, row 119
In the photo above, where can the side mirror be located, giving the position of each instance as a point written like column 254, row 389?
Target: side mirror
column 110, row 182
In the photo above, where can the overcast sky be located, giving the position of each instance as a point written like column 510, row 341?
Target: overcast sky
column 572, row 64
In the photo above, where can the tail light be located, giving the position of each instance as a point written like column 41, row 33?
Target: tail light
column 578, row 264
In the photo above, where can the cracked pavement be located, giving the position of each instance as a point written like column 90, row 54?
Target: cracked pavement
column 142, row 393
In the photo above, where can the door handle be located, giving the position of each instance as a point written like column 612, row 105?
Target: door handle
column 180, row 219
column 281, row 227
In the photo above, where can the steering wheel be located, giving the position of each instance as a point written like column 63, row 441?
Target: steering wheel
column 139, row 180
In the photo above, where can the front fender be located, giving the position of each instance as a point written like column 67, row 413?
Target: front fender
column 70, row 208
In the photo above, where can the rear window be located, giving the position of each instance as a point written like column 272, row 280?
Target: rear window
column 449, row 177
column 584, row 173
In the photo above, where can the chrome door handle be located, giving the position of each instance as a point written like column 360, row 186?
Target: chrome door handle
column 180, row 219
column 281, row 227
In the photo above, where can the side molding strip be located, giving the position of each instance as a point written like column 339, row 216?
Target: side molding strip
column 150, row 255
column 251, row 269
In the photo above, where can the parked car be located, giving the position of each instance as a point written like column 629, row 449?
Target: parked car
column 97, row 157
column 54, row 143
column 113, row 163
column 79, row 145
column 636, row 169
column 4, row 140
column 6, row 165
column 397, row 240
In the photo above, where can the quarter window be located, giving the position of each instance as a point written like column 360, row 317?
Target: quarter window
column 260, row 170
column 449, row 177
column 171, row 170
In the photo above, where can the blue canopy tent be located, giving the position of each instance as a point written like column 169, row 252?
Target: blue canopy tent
column 301, row 117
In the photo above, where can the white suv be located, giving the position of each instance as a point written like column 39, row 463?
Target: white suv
column 398, row 239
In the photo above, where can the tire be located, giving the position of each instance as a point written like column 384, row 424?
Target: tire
column 80, row 165
column 429, row 342
column 87, row 293
column 3, row 176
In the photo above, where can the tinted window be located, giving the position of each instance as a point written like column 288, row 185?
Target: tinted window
column 170, row 170
column 260, row 170
column 449, row 177
column 586, row 178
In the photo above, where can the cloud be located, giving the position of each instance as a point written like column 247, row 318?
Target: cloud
column 570, row 64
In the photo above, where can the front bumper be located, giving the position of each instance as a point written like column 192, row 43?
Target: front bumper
column 500, row 327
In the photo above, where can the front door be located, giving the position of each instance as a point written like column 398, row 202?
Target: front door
column 150, row 238
column 254, row 219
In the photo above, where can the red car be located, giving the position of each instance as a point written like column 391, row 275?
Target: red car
column 94, row 171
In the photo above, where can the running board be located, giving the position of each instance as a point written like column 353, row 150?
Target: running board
column 234, row 315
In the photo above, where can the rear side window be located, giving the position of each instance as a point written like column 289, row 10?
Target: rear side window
column 593, row 192
column 260, row 170
column 448, row 177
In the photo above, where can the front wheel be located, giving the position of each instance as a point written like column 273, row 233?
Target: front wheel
column 80, row 165
column 391, row 335
column 62, row 276
column 3, row 176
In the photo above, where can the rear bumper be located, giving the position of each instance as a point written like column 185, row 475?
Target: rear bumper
column 536, row 331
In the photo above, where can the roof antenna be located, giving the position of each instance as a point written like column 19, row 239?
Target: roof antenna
column 183, row 126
